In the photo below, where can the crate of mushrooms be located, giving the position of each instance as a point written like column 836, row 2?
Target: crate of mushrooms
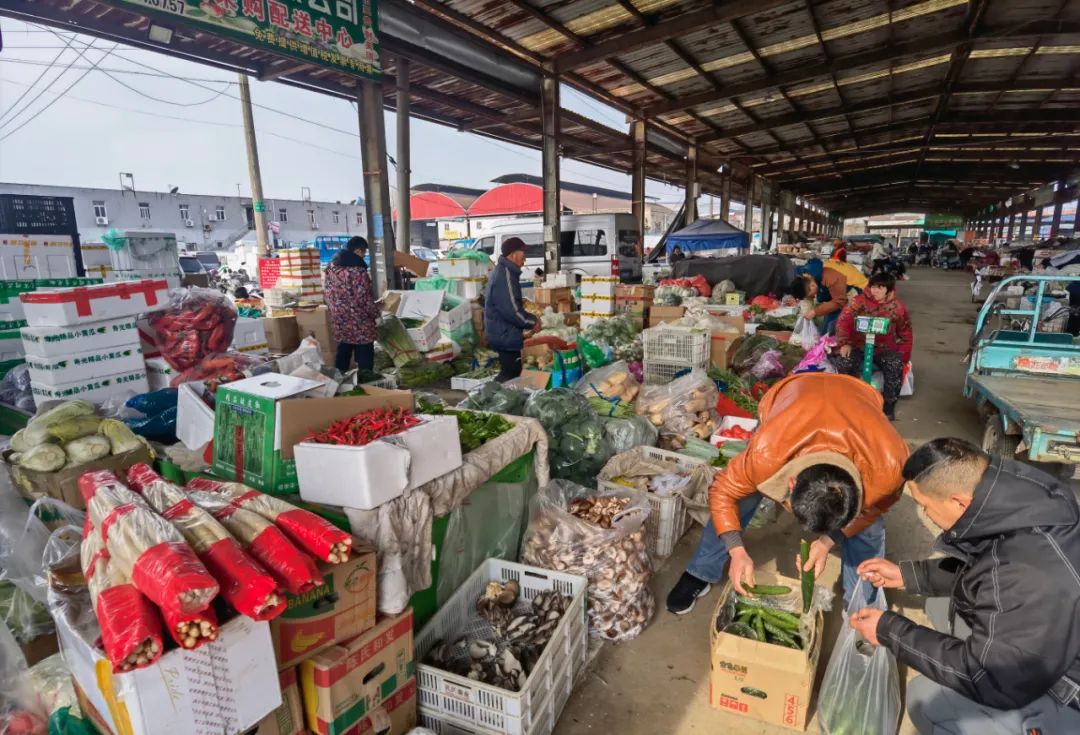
column 600, row 535
column 501, row 655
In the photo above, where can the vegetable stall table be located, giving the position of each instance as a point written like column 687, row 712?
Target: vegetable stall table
column 479, row 510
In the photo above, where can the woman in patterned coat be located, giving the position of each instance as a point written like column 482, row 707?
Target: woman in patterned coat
column 351, row 300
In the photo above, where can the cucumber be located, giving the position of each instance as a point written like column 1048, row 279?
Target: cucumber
column 745, row 617
column 782, row 619
column 769, row 590
column 807, row 577
column 759, row 626
column 752, row 602
column 777, row 633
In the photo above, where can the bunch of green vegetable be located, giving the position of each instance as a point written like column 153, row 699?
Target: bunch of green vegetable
column 480, row 373
column 496, row 398
column 761, row 620
column 779, row 323
column 578, row 446
column 25, row 617
column 420, row 373
column 611, row 408
column 396, row 342
column 475, row 428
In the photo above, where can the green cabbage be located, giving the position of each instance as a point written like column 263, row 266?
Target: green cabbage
column 43, row 458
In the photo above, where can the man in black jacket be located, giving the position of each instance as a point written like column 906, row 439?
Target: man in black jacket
column 1008, row 659
column 505, row 318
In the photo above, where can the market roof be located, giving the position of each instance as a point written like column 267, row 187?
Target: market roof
column 564, row 185
column 522, row 198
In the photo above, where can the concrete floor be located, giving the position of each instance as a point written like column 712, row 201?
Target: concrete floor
column 658, row 683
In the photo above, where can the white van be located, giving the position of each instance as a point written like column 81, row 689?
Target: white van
column 591, row 244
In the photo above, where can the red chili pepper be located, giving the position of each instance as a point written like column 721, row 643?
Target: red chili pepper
column 365, row 428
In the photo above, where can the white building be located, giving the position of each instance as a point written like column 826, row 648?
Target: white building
column 201, row 221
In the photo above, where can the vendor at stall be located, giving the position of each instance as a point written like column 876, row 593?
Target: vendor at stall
column 1004, row 652
column 351, row 302
column 825, row 451
column 824, row 288
column 505, row 318
column 855, row 278
column 892, row 351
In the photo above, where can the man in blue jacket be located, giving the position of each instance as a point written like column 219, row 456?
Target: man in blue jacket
column 505, row 318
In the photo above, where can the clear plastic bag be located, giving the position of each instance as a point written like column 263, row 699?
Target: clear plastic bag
column 805, row 334
column 861, row 689
column 615, row 560
column 20, row 711
column 685, row 405
column 197, row 323
column 612, row 382
column 625, row 434
column 768, row 366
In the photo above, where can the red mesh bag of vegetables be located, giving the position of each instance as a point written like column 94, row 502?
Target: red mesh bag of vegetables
column 220, row 368
column 130, row 624
column 313, row 534
column 197, row 323
column 244, row 583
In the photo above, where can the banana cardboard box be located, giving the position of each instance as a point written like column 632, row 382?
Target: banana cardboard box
column 341, row 608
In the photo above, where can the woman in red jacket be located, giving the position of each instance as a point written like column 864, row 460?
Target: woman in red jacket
column 892, row 351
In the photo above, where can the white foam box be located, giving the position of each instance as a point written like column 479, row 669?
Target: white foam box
column 194, row 418
column 147, row 338
column 562, row 279
column 173, row 278
column 24, row 257
column 425, row 305
column 380, row 471
column 61, row 341
column 468, row 288
column 11, row 345
column 729, row 422
column 463, row 268
column 456, row 317
column 224, row 687
column 159, row 373
column 77, row 367
column 250, row 336
column 598, row 305
column 146, row 251
column 598, row 285
column 82, row 304
column 95, row 390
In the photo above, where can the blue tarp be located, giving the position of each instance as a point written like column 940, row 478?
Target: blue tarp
column 708, row 234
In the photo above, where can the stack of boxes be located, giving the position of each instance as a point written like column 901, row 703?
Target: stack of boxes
column 468, row 277
column 559, row 299
column 597, row 299
column 83, row 342
column 300, row 274
column 634, row 301
column 316, row 323
column 142, row 255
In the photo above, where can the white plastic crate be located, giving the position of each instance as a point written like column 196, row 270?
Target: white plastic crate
column 464, row 268
column 484, row 708
column 661, row 373
column 676, row 345
column 459, row 383
column 668, row 520
column 549, row 710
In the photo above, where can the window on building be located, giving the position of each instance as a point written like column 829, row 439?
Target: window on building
column 144, row 210
column 582, row 243
column 336, row 216
column 283, row 215
column 185, row 212
column 311, row 217
column 99, row 209
column 359, row 218
column 219, row 213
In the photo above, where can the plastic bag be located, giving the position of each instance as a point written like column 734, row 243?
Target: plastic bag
column 768, row 366
column 805, row 333
column 477, row 255
column 567, row 370
column 51, row 679
column 612, row 382
column 220, row 368
column 683, row 406
column 861, row 689
column 20, row 711
column 817, row 357
column 625, row 434
column 750, row 351
column 577, row 445
column 197, row 323
column 614, row 560
column 721, row 290
column 496, row 398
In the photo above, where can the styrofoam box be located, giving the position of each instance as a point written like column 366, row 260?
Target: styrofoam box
column 463, row 268
column 598, row 305
column 425, row 305
column 82, row 304
column 194, row 419
column 456, row 317
column 476, row 707
column 11, row 346
column 60, row 341
column 468, row 384
column 147, row 251
column 224, row 687
column 24, row 257
column 468, row 288
column 729, row 422
column 78, row 367
column 598, row 286
column 173, row 278
column 562, row 279
column 250, row 336
column 159, row 373
column 380, row 471
column 147, row 338
column 95, row 390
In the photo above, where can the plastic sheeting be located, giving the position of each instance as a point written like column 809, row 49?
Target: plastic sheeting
column 634, row 464
column 400, row 530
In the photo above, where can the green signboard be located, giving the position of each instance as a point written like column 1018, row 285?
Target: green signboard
column 340, row 34
column 943, row 222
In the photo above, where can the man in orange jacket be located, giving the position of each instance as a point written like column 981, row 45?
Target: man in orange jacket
column 825, row 451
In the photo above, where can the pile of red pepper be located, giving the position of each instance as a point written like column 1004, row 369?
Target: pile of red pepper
column 364, row 428
column 198, row 322
column 217, row 369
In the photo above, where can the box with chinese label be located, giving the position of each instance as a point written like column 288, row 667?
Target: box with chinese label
column 62, row 341
column 77, row 367
column 95, row 390
column 78, row 305
column 288, row 719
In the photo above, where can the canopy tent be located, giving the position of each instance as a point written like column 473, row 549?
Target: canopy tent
column 708, row 234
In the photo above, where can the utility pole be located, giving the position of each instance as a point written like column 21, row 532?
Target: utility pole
column 404, row 159
column 258, row 206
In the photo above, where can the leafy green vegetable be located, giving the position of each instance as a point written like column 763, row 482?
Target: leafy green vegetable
column 477, row 429
column 421, row 373
column 396, row 341
column 497, row 398
column 357, row 391
column 413, row 323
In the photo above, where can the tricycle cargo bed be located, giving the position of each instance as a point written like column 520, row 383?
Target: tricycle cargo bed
column 1051, row 404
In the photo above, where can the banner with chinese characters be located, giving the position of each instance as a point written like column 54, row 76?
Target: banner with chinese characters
column 340, row 34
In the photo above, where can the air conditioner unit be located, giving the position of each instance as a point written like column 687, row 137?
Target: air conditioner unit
column 189, row 223
column 101, row 220
column 314, row 226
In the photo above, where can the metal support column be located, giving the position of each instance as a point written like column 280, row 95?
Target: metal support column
column 691, row 184
column 549, row 114
column 725, row 196
column 376, row 184
column 1012, row 222
column 404, row 159
column 1055, row 219
column 1037, row 225
column 637, row 183
column 1023, row 224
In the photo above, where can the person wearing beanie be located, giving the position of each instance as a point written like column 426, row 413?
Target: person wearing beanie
column 505, row 318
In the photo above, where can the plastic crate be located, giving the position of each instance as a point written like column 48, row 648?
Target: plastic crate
column 662, row 373
column 466, row 384
column 549, row 710
column 677, row 345
column 485, row 708
column 668, row 520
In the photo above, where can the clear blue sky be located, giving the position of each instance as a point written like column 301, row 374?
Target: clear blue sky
column 170, row 132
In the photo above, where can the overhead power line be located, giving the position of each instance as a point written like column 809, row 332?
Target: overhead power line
column 37, row 79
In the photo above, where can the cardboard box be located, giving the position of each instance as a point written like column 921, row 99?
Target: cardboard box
column 552, row 296
column 315, row 323
column 348, row 684
column 380, row 471
column 781, row 679
column 159, row 373
column 265, row 416
column 665, row 314
column 282, row 333
column 341, row 608
column 78, row 367
column 634, row 300
column 58, row 341
column 64, row 484
column 250, row 336
column 82, row 304
column 95, row 390
column 417, row 266
column 425, row 306
column 224, row 687
column 288, row 719
column 723, row 348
